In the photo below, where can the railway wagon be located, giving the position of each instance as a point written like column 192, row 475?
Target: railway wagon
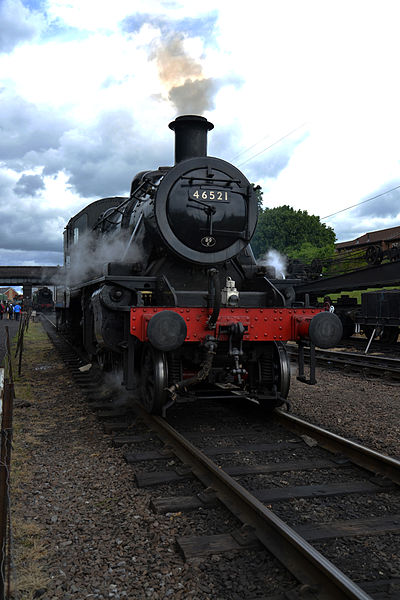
column 163, row 287
column 377, row 315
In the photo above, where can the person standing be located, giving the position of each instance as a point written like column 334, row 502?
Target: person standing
column 10, row 310
column 2, row 309
column 17, row 310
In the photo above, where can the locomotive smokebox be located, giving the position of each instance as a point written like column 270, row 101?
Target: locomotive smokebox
column 190, row 136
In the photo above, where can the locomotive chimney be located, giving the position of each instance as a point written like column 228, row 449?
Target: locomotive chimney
column 190, row 136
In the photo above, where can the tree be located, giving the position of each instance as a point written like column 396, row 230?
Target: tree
column 259, row 194
column 292, row 232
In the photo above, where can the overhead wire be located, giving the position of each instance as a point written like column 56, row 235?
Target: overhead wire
column 270, row 146
column 284, row 137
column 234, row 159
column 362, row 202
column 287, row 135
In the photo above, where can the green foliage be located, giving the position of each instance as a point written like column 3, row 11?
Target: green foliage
column 307, row 252
column 292, row 232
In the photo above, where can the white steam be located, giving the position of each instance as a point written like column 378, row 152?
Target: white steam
column 91, row 253
column 275, row 259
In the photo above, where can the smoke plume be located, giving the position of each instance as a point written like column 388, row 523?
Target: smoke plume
column 194, row 96
column 183, row 78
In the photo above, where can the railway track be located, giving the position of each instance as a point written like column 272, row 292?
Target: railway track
column 315, row 574
column 255, row 473
column 360, row 345
column 367, row 364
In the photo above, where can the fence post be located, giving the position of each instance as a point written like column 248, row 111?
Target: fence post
column 5, row 463
column 20, row 342
column 21, row 348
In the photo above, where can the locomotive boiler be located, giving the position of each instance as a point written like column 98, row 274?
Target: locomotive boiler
column 163, row 286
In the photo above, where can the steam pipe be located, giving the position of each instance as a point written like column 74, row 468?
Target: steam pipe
column 190, row 136
column 215, row 283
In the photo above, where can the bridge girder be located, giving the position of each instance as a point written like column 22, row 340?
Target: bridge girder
column 29, row 276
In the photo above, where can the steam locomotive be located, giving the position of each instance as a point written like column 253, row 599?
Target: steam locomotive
column 163, row 285
column 43, row 299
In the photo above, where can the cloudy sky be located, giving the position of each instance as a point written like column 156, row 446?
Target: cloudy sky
column 304, row 96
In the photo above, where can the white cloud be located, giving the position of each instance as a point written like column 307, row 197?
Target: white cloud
column 73, row 75
column 89, row 107
column 18, row 24
column 94, row 15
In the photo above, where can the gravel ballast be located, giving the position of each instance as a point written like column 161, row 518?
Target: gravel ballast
column 366, row 411
column 97, row 534
column 99, row 537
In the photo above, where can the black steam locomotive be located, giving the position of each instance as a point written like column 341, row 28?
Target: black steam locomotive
column 163, row 286
column 42, row 299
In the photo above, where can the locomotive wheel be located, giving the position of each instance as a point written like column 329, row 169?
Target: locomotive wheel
column 394, row 253
column 386, row 335
column 374, row 255
column 153, row 379
column 368, row 330
column 316, row 266
column 389, row 335
column 348, row 325
column 283, row 369
column 274, row 373
column 104, row 360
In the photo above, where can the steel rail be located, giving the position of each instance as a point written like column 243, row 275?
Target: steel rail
column 379, row 363
column 361, row 455
column 42, row 315
column 318, row 576
column 370, row 360
column 79, row 354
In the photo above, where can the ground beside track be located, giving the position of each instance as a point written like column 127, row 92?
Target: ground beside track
column 366, row 410
column 12, row 330
column 82, row 528
column 89, row 527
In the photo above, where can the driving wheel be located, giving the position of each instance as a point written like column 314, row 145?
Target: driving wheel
column 274, row 374
column 153, row 379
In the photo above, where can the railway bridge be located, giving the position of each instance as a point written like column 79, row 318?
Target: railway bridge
column 377, row 276
column 28, row 277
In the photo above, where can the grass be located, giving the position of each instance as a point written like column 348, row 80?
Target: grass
column 29, row 551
